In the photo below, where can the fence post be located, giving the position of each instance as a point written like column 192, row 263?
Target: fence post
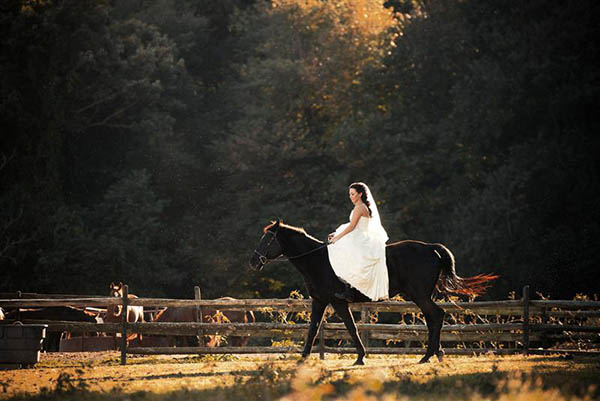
column 364, row 334
column 199, row 316
column 124, row 325
column 526, row 320
column 19, row 308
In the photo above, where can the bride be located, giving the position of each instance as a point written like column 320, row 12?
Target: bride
column 357, row 249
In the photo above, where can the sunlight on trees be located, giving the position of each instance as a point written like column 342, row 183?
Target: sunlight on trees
column 473, row 122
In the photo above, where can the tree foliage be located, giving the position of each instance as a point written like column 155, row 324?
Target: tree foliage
column 150, row 142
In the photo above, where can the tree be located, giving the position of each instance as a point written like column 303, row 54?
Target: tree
column 292, row 92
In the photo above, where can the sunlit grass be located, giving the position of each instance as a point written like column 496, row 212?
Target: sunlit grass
column 262, row 377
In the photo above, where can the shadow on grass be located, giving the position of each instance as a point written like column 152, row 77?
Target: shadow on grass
column 270, row 382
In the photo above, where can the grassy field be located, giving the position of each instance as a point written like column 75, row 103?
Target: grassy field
column 98, row 376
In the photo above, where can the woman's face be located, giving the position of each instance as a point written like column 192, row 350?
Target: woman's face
column 354, row 195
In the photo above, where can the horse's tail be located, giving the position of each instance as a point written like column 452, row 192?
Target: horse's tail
column 450, row 282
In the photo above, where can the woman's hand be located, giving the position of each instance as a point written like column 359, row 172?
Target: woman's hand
column 331, row 238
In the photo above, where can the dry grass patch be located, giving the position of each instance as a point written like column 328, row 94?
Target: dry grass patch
column 99, row 376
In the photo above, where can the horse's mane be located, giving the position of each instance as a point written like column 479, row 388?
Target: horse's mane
column 298, row 230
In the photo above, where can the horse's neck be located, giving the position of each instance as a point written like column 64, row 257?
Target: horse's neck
column 300, row 245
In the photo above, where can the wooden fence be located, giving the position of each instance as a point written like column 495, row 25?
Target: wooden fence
column 518, row 324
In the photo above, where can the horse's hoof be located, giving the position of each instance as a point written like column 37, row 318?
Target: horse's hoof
column 359, row 362
column 425, row 359
column 440, row 356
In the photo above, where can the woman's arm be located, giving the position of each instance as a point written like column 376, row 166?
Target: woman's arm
column 359, row 211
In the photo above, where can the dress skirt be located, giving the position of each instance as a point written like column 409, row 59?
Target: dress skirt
column 358, row 258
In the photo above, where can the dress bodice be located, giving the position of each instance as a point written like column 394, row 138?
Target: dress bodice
column 363, row 223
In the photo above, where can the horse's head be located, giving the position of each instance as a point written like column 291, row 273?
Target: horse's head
column 116, row 290
column 268, row 248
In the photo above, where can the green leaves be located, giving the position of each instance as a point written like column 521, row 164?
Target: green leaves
column 472, row 122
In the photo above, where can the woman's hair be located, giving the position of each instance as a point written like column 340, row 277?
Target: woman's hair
column 362, row 190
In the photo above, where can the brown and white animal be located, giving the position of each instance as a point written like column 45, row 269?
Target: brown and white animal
column 113, row 312
column 188, row 314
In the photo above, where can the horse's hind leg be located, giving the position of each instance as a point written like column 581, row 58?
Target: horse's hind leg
column 344, row 312
column 434, row 317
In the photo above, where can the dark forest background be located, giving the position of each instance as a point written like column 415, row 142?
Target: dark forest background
column 149, row 141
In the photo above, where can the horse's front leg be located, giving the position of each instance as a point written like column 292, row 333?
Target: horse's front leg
column 316, row 317
column 343, row 311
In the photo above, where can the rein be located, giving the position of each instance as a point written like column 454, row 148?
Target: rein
column 264, row 260
column 309, row 252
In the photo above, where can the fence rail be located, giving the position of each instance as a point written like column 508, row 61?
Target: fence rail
column 521, row 331
column 510, row 307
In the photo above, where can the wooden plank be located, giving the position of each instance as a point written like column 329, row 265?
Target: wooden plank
column 481, row 307
column 257, row 304
column 556, row 327
column 595, row 338
column 235, row 328
column 191, row 328
column 74, row 327
column 420, row 351
column 390, row 330
column 297, row 350
column 199, row 315
column 454, row 337
column 35, row 295
column 574, row 313
column 419, row 337
column 525, row 320
column 124, row 314
column 565, row 304
column 75, row 302
column 214, row 350
column 537, row 351
column 364, row 319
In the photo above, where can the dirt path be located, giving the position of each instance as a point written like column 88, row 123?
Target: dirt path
column 101, row 372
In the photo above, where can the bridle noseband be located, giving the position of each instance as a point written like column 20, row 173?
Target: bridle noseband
column 264, row 259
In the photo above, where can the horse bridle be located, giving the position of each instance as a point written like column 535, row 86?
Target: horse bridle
column 264, row 259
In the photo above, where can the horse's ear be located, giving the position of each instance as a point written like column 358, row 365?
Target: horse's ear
column 112, row 285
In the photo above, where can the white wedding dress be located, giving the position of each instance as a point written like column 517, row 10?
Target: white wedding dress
column 358, row 258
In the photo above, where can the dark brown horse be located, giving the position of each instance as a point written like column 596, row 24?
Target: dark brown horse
column 415, row 270
column 189, row 314
column 52, row 313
